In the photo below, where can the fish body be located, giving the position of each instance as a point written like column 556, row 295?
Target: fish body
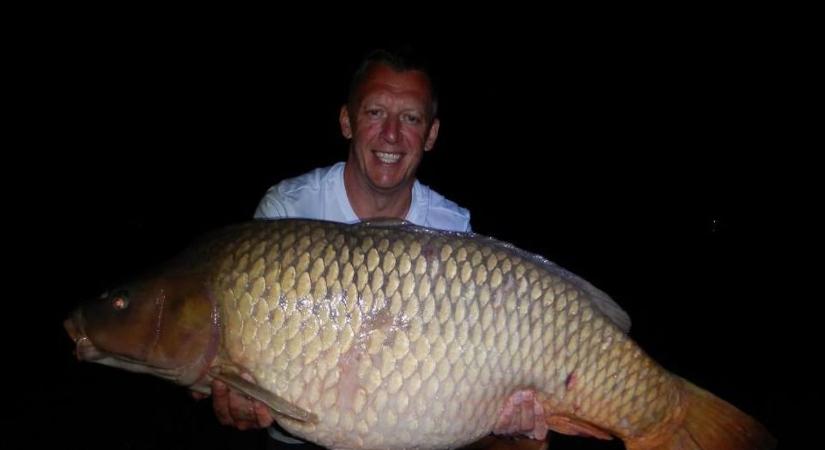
column 386, row 335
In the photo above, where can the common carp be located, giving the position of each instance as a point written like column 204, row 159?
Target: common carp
column 386, row 335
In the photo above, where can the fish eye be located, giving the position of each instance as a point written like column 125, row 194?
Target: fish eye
column 120, row 302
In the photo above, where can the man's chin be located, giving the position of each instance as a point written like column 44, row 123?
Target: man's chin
column 387, row 177
column 389, row 185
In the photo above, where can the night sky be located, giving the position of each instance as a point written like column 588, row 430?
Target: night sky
column 625, row 157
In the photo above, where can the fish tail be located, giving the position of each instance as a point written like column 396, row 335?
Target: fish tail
column 708, row 423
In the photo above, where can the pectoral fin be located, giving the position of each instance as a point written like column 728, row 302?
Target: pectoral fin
column 276, row 403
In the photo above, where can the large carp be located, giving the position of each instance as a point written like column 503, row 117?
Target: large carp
column 385, row 335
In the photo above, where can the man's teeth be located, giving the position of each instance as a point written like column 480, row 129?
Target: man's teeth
column 388, row 158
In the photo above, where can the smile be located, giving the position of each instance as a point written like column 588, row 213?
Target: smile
column 388, row 158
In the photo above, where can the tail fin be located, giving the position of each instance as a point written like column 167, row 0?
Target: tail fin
column 710, row 423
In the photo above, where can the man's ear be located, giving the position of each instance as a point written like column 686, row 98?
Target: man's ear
column 432, row 135
column 343, row 119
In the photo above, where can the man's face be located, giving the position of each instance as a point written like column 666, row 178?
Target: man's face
column 390, row 126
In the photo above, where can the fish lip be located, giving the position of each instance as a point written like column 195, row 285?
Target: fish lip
column 84, row 349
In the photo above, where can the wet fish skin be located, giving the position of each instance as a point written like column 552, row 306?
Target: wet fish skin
column 396, row 336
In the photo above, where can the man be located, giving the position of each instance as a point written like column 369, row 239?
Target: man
column 390, row 120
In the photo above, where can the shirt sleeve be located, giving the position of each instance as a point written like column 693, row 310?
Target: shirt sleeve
column 271, row 206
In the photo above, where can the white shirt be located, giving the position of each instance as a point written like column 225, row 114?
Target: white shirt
column 320, row 194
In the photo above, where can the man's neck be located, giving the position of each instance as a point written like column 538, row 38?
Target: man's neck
column 368, row 202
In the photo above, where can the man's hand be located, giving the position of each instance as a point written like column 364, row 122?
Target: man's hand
column 235, row 409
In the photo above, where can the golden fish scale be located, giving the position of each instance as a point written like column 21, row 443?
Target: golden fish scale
column 397, row 338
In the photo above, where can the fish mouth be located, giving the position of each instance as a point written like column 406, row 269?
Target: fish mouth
column 84, row 349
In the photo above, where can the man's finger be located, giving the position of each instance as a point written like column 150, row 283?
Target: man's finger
column 263, row 416
column 220, row 402
column 241, row 408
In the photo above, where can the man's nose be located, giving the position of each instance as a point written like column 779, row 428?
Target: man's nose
column 389, row 130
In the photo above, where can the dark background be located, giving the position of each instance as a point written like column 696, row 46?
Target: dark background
column 634, row 156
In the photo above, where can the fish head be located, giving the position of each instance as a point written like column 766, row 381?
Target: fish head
column 165, row 326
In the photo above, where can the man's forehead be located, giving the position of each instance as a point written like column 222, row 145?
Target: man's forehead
column 382, row 80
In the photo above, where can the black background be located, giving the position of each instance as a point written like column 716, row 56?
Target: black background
column 632, row 154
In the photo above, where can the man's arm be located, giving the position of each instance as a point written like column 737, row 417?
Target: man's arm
column 271, row 205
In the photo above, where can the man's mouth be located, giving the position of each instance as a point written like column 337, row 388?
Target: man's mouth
column 388, row 158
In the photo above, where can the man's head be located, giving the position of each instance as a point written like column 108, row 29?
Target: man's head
column 390, row 117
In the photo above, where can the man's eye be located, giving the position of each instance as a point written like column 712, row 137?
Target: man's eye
column 374, row 112
column 412, row 118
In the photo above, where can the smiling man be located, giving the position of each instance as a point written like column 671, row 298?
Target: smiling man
column 390, row 120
